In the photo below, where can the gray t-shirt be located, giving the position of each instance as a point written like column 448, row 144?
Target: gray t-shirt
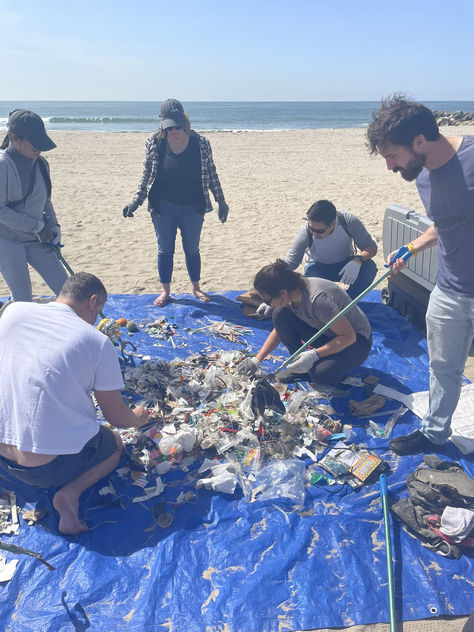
column 336, row 247
column 322, row 300
column 448, row 196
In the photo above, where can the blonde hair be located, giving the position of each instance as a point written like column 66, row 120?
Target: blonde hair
column 187, row 127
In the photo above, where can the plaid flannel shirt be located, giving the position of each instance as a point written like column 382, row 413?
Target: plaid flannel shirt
column 209, row 177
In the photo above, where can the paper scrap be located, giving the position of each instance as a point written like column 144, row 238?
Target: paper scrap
column 462, row 427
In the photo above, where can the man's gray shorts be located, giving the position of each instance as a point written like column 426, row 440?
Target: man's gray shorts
column 65, row 467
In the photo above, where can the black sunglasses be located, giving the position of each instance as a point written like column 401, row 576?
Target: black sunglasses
column 318, row 231
column 174, row 127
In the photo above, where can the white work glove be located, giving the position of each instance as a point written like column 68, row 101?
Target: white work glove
column 249, row 366
column 350, row 271
column 264, row 310
column 302, row 364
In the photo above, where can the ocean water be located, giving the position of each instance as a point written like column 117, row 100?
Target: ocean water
column 142, row 116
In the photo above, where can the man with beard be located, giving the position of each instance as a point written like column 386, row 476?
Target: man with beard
column 406, row 135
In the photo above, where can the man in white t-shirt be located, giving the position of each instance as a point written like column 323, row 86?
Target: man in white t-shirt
column 51, row 359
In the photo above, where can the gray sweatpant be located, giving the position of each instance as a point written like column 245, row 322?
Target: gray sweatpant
column 14, row 260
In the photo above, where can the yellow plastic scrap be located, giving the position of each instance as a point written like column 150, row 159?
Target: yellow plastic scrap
column 100, row 326
column 109, row 327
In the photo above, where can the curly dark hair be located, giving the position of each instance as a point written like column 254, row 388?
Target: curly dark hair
column 278, row 276
column 399, row 121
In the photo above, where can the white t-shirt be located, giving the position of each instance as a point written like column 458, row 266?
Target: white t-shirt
column 50, row 361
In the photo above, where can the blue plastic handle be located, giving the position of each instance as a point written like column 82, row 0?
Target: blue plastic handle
column 404, row 257
column 383, row 485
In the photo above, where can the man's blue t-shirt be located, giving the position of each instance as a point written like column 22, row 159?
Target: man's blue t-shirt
column 448, row 196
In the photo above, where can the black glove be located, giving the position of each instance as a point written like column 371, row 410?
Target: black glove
column 47, row 235
column 223, row 212
column 128, row 210
column 265, row 396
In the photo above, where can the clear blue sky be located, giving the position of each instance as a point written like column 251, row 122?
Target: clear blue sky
column 240, row 50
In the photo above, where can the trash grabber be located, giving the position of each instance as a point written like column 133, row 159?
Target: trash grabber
column 388, row 552
column 17, row 550
column 59, row 255
column 336, row 317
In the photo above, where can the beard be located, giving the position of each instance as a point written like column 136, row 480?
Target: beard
column 413, row 168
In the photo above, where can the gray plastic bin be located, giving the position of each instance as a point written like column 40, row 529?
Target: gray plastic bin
column 408, row 291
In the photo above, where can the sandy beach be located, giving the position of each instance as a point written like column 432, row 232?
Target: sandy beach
column 269, row 179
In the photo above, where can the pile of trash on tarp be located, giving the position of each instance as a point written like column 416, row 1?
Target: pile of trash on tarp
column 203, row 413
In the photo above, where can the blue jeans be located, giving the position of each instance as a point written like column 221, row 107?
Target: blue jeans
column 450, row 331
column 166, row 222
column 330, row 271
column 64, row 468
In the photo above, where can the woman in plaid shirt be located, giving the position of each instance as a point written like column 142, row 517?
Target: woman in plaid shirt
column 178, row 172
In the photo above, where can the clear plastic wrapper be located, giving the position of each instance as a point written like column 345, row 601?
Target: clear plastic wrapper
column 275, row 480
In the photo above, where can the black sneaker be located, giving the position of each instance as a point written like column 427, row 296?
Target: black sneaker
column 413, row 444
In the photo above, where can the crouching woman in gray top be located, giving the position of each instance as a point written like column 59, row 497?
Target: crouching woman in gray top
column 326, row 242
column 28, row 224
column 301, row 307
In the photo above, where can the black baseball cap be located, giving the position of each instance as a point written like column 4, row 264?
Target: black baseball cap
column 172, row 114
column 27, row 124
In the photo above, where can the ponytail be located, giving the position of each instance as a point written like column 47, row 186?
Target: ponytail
column 278, row 276
column 6, row 141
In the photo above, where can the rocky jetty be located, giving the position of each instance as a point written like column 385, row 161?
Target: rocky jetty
column 454, row 118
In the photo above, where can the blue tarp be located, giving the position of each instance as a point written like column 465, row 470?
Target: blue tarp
column 225, row 564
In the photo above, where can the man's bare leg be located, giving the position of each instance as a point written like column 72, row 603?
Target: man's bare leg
column 66, row 499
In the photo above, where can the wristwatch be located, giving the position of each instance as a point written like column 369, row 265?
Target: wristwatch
column 361, row 261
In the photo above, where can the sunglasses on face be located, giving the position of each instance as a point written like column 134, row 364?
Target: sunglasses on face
column 318, row 231
column 170, row 129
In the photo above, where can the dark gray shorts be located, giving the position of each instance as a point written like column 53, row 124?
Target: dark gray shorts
column 65, row 467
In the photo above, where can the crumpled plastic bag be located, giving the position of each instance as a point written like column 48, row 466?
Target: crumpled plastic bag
column 223, row 477
column 276, row 480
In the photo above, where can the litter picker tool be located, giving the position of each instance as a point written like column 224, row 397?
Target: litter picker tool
column 388, row 552
column 19, row 550
column 59, row 255
column 342, row 313
column 261, row 386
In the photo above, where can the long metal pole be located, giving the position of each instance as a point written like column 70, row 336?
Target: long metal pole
column 388, row 551
column 58, row 254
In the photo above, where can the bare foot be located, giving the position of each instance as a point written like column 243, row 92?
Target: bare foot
column 67, row 507
column 202, row 296
column 162, row 299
